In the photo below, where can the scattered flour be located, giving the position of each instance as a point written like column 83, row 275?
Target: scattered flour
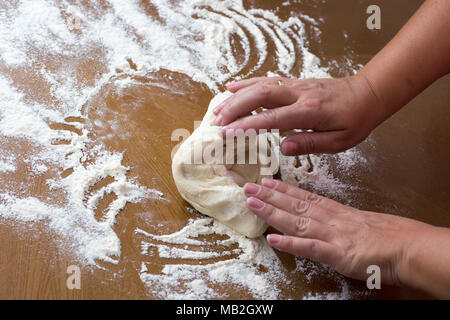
column 241, row 270
column 213, row 42
column 39, row 168
column 7, row 165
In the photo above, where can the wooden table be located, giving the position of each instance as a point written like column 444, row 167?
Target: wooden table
column 407, row 173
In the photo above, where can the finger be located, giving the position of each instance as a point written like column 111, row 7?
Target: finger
column 301, row 194
column 295, row 206
column 284, row 118
column 220, row 106
column 313, row 142
column 313, row 249
column 253, row 97
column 290, row 224
column 297, row 115
column 238, row 85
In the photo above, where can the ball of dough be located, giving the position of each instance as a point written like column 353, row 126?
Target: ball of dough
column 215, row 189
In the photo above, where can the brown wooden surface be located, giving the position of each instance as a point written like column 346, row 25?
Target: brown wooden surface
column 407, row 172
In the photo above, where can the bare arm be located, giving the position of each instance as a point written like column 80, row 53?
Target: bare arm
column 408, row 252
column 343, row 112
column 427, row 262
column 417, row 56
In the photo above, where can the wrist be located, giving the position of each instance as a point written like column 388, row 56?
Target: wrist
column 410, row 263
column 391, row 90
column 368, row 98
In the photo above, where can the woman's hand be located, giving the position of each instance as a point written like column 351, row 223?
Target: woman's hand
column 341, row 112
column 347, row 239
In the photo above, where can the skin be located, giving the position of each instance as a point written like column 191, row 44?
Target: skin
column 349, row 240
column 342, row 113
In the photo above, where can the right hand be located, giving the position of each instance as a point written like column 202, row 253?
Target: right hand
column 340, row 112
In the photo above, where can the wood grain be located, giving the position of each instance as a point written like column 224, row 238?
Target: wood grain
column 408, row 158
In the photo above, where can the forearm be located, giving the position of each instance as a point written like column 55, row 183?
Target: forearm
column 427, row 262
column 418, row 55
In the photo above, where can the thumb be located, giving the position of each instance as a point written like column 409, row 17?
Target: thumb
column 313, row 142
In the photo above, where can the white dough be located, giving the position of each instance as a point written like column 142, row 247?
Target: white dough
column 215, row 189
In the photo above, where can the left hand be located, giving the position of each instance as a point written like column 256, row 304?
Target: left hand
column 347, row 239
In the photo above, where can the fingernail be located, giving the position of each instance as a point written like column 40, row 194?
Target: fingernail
column 230, row 83
column 255, row 204
column 251, row 188
column 219, row 108
column 288, row 147
column 273, row 239
column 218, row 120
column 269, row 183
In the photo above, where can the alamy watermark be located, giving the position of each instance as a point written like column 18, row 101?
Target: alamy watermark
column 374, row 280
column 374, row 20
column 236, row 147
column 74, row 279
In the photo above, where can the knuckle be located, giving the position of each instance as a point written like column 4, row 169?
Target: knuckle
column 313, row 103
column 301, row 225
column 270, row 81
column 313, row 198
column 263, row 193
column 301, row 206
column 297, row 104
column 269, row 211
column 309, row 145
column 289, row 244
column 302, row 83
column 321, row 85
column 347, row 245
column 269, row 116
column 272, row 196
column 309, row 84
column 227, row 112
column 281, row 187
column 264, row 90
column 313, row 248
